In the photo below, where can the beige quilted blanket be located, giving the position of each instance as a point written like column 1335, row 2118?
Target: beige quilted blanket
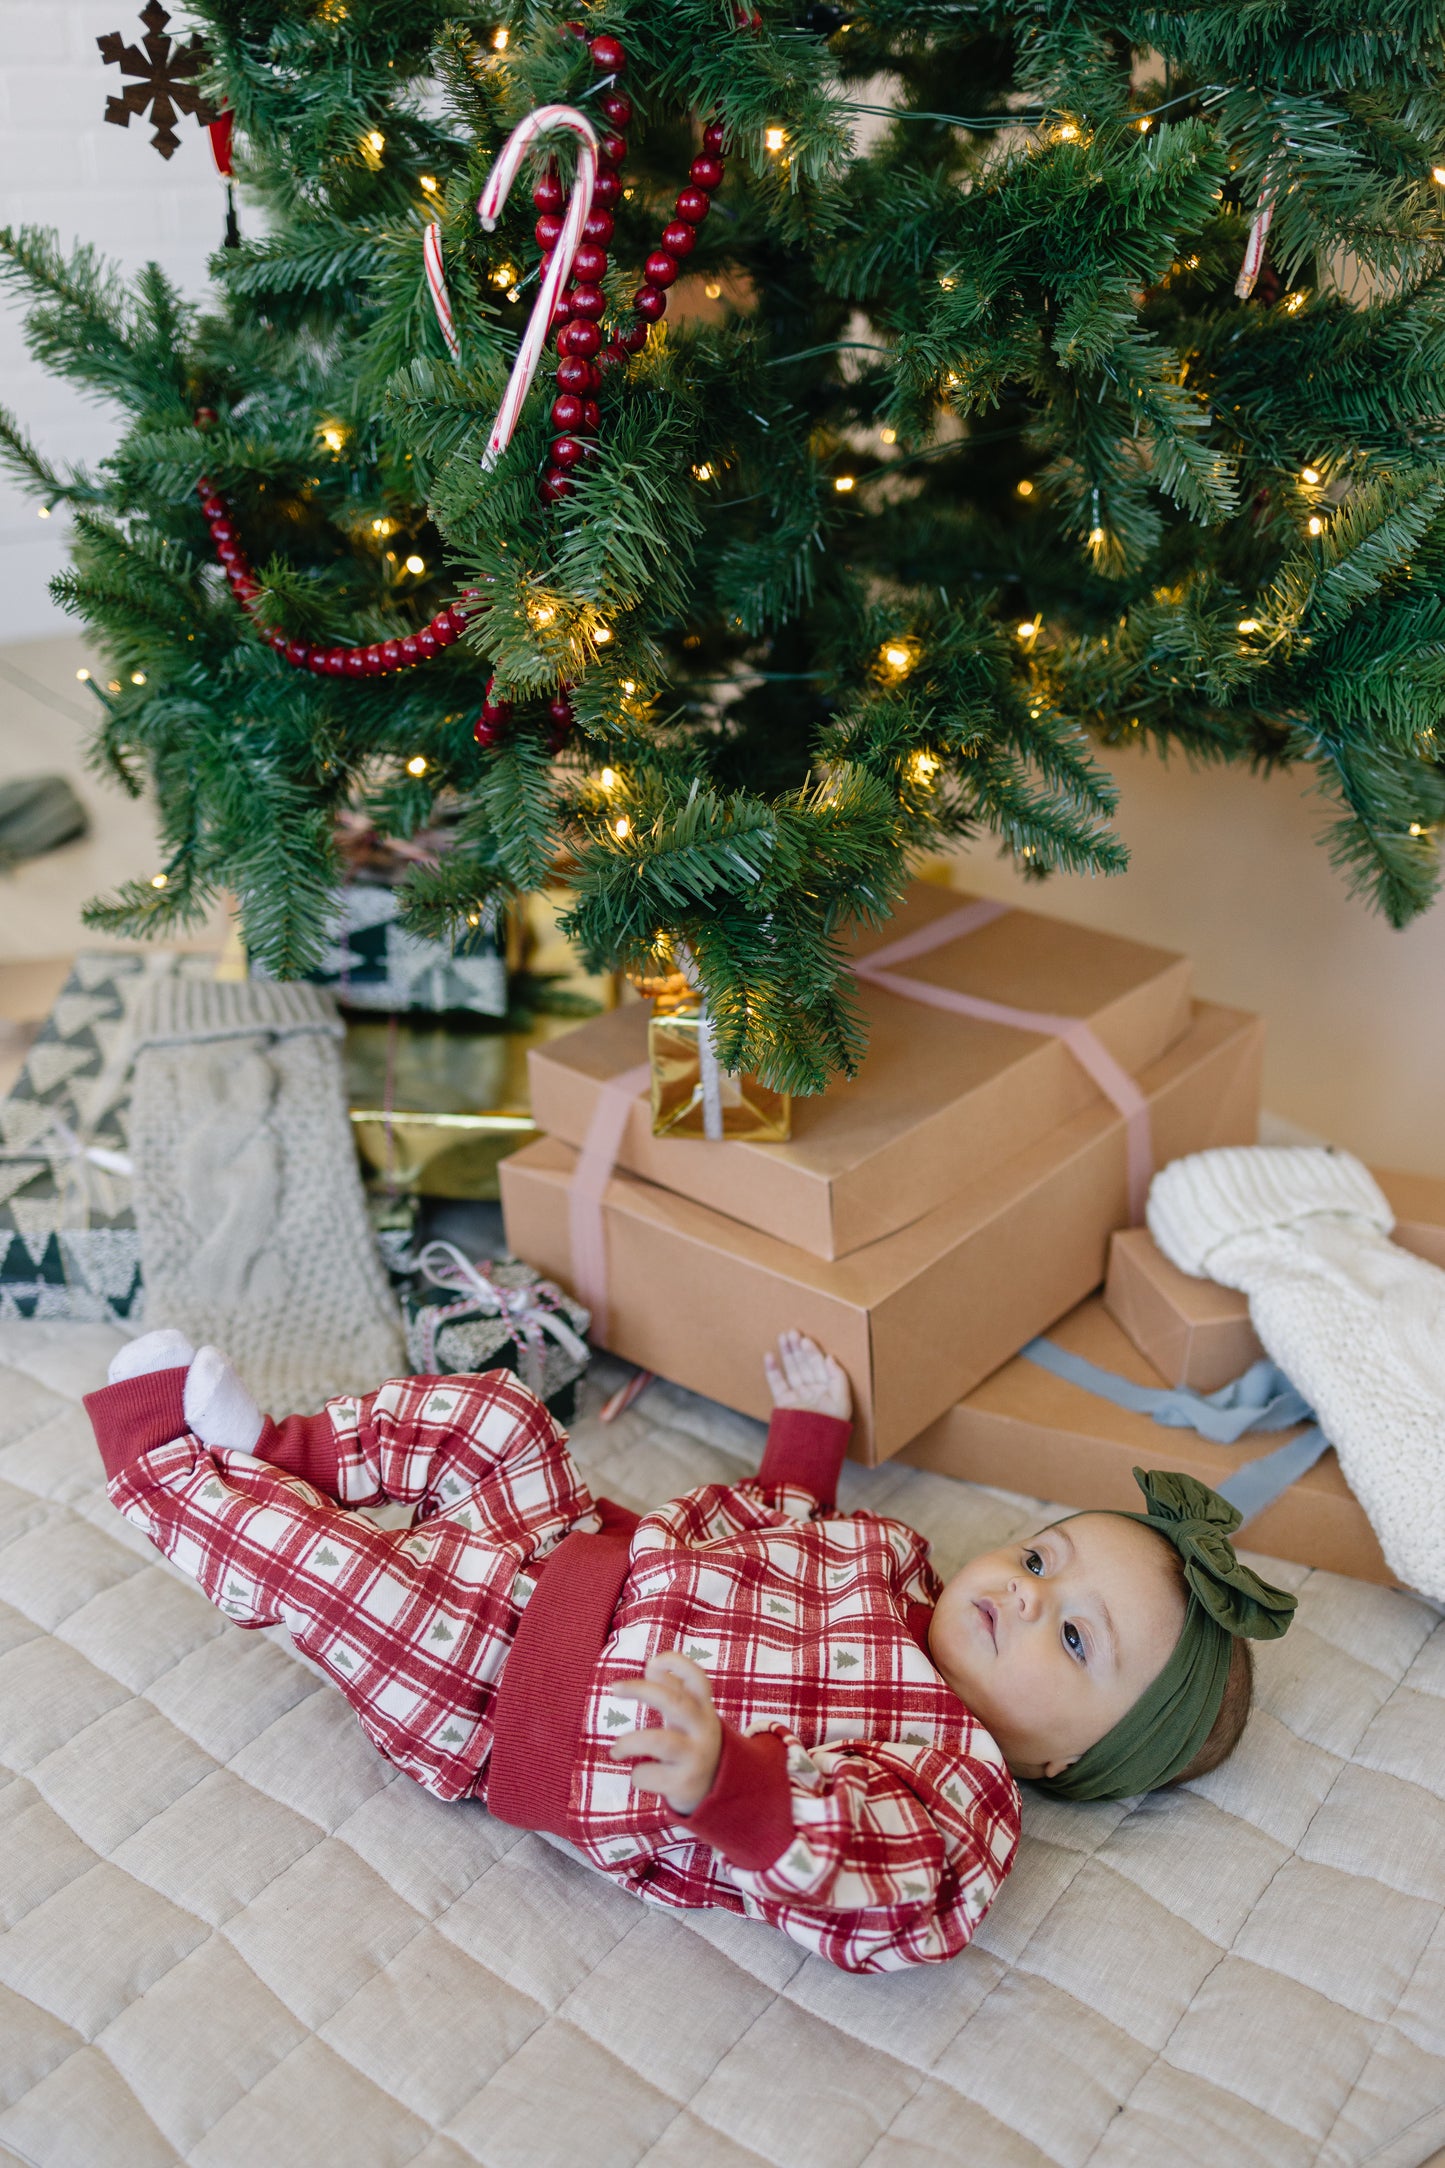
column 230, row 1935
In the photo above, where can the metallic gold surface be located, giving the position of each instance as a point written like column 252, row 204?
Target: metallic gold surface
column 751, row 1112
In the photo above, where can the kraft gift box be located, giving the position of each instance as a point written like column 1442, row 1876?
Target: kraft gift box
column 1023, row 1429
column 1194, row 1332
column 939, row 1100
column 918, row 1318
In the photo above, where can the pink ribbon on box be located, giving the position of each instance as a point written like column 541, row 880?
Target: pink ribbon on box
column 590, row 1178
column 1088, row 1050
column 618, row 1095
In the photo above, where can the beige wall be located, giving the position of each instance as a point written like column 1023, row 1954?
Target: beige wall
column 1226, row 866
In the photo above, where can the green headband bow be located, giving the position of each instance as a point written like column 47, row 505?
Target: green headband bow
column 1171, row 1720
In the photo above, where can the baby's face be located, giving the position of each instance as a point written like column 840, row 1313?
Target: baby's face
column 1051, row 1640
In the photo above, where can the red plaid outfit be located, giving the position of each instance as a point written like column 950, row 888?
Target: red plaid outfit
column 857, row 1805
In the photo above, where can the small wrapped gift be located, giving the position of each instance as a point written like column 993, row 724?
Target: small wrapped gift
column 462, row 1316
column 692, row 1094
column 372, row 962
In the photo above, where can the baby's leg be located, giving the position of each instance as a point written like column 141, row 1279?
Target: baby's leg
column 412, row 1624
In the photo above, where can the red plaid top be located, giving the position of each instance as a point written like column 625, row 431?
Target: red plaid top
column 858, row 1805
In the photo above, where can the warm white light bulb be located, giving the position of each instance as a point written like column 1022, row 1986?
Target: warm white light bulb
column 1416, row 829
column 416, row 765
column 1310, row 475
column 429, row 183
column 1248, row 624
column 1437, row 174
column 1317, row 526
column 377, row 140
column 601, row 635
column 1028, row 628
column 159, row 880
column 703, row 473
column 416, row 565
column 843, row 483
column 499, row 41
column 84, row 676
column 774, row 138
column 713, row 290
column 137, row 677
column 1096, row 536
column 888, row 436
column 897, row 658
column 43, row 512
column 1025, row 488
column 622, row 828
column 609, row 779
column 629, row 686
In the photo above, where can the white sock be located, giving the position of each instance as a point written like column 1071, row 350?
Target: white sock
column 163, row 1350
column 1355, row 1322
column 219, row 1409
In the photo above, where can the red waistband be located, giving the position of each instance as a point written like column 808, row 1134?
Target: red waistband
column 542, row 1698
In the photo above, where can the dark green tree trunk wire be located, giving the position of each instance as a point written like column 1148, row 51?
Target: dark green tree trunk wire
column 980, row 461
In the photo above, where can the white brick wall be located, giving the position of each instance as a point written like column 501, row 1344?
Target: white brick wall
column 62, row 165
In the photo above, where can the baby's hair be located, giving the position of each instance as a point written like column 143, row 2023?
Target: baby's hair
column 1223, row 1734
column 1233, row 1714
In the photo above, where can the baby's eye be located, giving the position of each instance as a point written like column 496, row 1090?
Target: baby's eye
column 1074, row 1640
column 1033, row 1562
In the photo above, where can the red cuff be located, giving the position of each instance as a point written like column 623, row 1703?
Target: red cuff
column 748, row 1814
column 806, row 1449
column 304, row 1445
column 136, row 1416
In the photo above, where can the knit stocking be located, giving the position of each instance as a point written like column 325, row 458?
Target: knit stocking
column 253, row 1230
column 1355, row 1323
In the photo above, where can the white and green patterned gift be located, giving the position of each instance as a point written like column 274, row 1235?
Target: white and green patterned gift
column 68, row 1240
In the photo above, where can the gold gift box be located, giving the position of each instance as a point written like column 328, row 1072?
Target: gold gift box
column 747, row 1111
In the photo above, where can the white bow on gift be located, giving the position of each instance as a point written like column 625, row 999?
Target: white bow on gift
column 73, row 1162
column 531, row 1312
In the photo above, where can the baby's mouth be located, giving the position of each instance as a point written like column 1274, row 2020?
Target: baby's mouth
column 989, row 1616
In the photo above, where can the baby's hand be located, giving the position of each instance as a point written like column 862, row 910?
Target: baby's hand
column 800, row 1375
column 680, row 1761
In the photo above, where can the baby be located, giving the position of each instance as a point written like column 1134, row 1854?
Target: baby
column 744, row 1698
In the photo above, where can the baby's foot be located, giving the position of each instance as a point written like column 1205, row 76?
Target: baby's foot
column 800, row 1375
column 167, row 1349
column 219, row 1409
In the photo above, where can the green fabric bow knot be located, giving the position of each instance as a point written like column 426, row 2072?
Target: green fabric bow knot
column 1199, row 1523
column 1173, row 1717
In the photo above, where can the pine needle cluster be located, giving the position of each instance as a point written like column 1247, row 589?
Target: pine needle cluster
column 957, row 454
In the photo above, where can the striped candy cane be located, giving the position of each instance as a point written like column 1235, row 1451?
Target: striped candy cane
column 436, row 278
column 1254, row 247
column 489, row 210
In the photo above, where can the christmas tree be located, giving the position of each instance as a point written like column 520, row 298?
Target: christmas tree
column 939, row 389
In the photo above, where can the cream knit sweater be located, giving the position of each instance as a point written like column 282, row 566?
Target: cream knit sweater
column 1355, row 1322
column 253, row 1230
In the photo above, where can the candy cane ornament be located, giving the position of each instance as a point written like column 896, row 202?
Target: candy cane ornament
column 554, row 278
column 436, row 278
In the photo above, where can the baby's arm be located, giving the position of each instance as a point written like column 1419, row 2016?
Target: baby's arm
column 812, row 1410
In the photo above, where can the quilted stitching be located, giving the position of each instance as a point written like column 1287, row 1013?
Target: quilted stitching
column 232, row 1936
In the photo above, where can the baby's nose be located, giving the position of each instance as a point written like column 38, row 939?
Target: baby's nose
column 1026, row 1594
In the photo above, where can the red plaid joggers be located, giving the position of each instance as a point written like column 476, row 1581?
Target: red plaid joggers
column 412, row 1623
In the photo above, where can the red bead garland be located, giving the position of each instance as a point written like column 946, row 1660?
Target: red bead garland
column 378, row 659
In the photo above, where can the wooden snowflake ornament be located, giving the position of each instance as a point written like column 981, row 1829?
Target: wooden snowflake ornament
column 165, row 72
